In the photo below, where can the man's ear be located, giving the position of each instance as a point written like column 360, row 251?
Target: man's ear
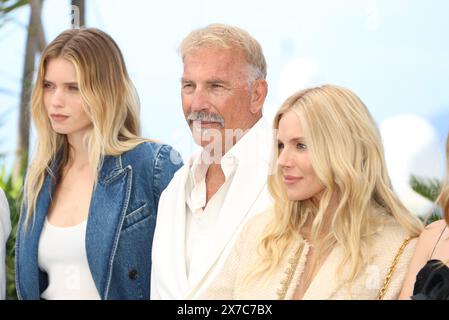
column 258, row 95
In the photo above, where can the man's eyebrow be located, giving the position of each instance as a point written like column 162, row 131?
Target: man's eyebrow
column 215, row 80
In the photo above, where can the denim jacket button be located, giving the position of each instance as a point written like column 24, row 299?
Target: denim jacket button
column 132, row 274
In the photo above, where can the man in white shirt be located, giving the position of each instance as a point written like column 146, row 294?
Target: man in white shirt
column 204, row 207
column 5, row 229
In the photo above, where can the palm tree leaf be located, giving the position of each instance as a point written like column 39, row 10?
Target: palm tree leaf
column 429, row 188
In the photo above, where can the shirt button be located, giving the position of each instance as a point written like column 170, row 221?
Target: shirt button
column 132, row 274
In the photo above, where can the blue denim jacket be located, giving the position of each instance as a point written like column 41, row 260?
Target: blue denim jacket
column 120, row 225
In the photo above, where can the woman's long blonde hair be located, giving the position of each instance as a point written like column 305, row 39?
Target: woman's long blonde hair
column 108, row 94
column 346, row 153
column 443, row 198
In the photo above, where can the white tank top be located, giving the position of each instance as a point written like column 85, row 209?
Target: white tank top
column 62, row 255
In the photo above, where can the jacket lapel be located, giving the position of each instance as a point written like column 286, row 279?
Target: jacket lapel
column 106, row 214
column 235, row 210
column 29, row 242
column 178, row 232
column 169, row 264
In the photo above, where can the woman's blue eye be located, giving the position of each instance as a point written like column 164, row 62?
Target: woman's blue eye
column 301, row 146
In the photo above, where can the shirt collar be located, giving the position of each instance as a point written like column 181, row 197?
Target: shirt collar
column 242, row 151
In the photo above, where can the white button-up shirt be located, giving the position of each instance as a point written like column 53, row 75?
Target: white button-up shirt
column 202, row 218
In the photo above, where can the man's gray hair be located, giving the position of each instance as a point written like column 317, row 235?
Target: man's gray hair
column 228, row 37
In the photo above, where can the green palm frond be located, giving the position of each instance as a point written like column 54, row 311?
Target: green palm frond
column 427, row 187
column 6, row 6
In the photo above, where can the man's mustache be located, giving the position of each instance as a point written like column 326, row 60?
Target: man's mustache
column 206, row 117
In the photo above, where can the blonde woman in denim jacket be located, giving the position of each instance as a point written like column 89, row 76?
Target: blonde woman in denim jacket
column 92, row 189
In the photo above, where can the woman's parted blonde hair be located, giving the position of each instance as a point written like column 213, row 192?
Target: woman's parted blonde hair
column 228, row 37
column 109, row 97
column 346, row 153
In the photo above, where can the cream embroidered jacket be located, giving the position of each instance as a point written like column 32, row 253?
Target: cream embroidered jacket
column 282, row 283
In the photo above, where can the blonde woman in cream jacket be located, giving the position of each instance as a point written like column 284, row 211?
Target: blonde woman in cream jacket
column 337, row 230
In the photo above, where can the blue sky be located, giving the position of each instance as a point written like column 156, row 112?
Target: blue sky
column 393, row 54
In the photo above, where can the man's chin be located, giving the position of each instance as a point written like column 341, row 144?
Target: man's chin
column 206, row 137
column 201, row 142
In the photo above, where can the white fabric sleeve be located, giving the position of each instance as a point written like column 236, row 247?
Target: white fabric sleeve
column 5, row 229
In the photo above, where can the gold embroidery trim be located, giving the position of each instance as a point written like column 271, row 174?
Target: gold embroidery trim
column 289, row 273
